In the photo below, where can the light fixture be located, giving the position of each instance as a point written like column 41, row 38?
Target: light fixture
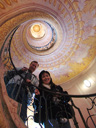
column 37, row 30
column 87, row 83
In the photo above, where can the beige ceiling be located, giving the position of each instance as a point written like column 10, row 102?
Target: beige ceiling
column 74, row 23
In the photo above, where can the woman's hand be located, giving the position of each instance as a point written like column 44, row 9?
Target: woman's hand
column 37, row 92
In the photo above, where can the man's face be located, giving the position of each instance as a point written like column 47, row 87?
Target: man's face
column 33, row 66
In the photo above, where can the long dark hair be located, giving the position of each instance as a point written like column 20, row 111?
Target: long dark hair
column 40, row 78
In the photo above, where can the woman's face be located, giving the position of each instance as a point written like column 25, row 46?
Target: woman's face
column 46, row 78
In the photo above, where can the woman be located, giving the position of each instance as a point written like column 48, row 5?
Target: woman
column 48, row 101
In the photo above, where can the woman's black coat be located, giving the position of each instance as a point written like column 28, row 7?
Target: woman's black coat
column 51, row 105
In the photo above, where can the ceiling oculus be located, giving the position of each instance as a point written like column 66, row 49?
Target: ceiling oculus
column 40, row 35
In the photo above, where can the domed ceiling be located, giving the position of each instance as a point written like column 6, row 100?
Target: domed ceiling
column 60, row 35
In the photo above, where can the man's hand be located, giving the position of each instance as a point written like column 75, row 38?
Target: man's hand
column 24, row 69
column 28, row 81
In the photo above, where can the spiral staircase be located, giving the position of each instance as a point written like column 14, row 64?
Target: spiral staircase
column 61, row 36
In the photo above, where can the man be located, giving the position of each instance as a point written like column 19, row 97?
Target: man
column 27, row 88
column 19, row 88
